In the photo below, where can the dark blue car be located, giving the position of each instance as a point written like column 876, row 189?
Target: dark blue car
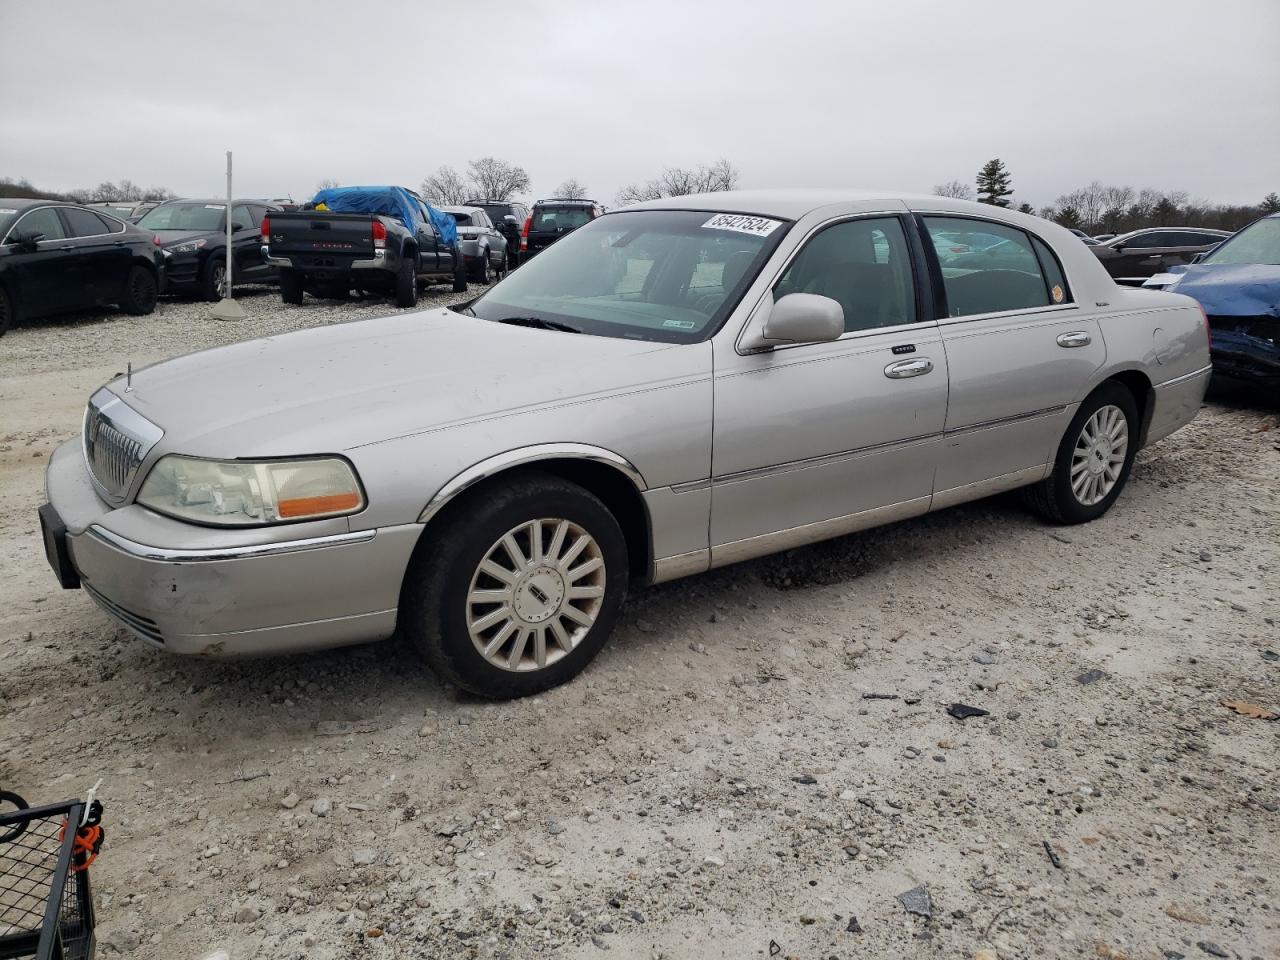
column 1238, row 285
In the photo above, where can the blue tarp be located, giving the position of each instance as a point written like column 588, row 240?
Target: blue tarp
column 390, row 201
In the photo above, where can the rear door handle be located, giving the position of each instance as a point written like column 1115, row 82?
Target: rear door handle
column 908, row 368
column 1076, row 339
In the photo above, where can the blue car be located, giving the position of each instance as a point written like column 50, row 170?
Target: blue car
column 1238, row 285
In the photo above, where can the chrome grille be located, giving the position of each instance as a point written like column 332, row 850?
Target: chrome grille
column 116, row 440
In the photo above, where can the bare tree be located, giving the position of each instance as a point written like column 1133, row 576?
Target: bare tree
column 158, row 193
column 445, row 186
column 682, row 181
column 327, row 183
column 495, row 179
column 571, row 189
column 957, row 189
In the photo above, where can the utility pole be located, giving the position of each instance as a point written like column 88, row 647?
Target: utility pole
column 227, row 308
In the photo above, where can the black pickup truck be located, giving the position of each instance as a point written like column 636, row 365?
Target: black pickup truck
column 386, row 240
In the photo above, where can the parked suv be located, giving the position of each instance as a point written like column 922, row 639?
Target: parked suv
column 553, row 219
column 484, row 249
column 193, row 235
column 509, row 217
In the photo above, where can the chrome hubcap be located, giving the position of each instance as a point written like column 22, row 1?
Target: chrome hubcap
column 1099, row 455
column 536, row 594
column 220, row 281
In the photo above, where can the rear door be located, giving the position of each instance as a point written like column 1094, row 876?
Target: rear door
column 104, row 257
column 1019, row 349
column 246, row 245
column 434, row 256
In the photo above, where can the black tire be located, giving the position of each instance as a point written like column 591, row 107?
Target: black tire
column 459, row 272
column 8, row 314
column 290, row 285
column 1054, row 497
column 140, row 291
column 500, row 269
column 513, row 258
column 433, row 603
column 211, row 278
column 406, row 282
column 481, row 274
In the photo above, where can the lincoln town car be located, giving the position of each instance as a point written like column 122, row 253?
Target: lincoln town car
column 675, row 386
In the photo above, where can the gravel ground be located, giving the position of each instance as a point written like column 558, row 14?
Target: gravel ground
column 760, row 764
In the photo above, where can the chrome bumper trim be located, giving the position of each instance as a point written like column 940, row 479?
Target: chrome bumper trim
column 1185, row 377
column 209, row 554
column 275, row 261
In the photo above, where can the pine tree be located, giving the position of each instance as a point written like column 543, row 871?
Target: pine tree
column 1271, row 203
column 994, row 184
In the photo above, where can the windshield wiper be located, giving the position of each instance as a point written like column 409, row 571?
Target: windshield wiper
column 540, row 323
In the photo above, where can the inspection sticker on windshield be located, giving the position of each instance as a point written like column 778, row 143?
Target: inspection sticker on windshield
column 7, row 210
column 215, row 206
column 679, row 324
column 740, row 223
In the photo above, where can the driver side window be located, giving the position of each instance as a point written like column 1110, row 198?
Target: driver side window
column 44, row 221
column 241, row 219
column 864, row 265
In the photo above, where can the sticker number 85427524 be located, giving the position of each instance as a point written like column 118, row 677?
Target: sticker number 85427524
column 742, row 223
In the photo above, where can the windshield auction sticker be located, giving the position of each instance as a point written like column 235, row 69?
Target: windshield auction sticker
column 741, row 223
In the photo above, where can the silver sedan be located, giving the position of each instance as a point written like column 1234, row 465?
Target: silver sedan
column 676, row 386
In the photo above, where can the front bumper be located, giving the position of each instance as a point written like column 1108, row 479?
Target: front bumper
column 226, row 592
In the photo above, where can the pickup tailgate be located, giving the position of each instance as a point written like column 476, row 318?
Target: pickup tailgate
column 316, row 238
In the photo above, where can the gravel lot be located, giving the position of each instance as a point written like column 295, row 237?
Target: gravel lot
column 758, row 765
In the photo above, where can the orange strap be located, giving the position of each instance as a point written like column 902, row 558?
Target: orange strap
column 84, row 850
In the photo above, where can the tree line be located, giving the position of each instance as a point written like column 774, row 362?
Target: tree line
column 1108, row 208
column 124, row 191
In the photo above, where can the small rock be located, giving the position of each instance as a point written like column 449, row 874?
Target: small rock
column 511, row 816
column 1013, row 715
column 806, row 779
column 1049, row 742
column 555, row 827
column 1211, row 948
column 986, row 955
column 364, row 857
column 917, row 901
column 712, row 861
column 322, row 807
column 1270, row 655
column 427, row 730
column 1090, row 676
column 255, row 885
column 373, row 933
column 854, row 926
column 984, row 658
column 290, row 800
column 423, row 901
column 247, row 914
column 1206, row 557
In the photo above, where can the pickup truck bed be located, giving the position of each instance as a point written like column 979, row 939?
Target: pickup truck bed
column 329, row 254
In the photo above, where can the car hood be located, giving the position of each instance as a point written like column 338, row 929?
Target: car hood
column 1233, row 289
column 333, row 388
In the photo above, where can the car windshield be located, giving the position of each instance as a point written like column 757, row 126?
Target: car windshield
column 461, row 219
column 1257, row 243
column 665, row 275
column 184, row 216
column 558, row 218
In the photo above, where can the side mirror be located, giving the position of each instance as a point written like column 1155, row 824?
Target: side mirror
column 1118, row 247
column 30, row 241
column 803, row 318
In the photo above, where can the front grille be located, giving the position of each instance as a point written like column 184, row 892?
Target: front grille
column 144, row 627
column 116, row 440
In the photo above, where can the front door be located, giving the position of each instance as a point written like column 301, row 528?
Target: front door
column 1020, row 352
column 816, row 440
column 104, row 259
column 48, row 278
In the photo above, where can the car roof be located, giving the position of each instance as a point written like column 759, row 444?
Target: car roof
column 22, row 203
column 466, row 210
column 559, row 201
column 791, row 204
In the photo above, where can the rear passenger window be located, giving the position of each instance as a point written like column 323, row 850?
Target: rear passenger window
column 864, row 265
column 987, row 267
column 84, row 223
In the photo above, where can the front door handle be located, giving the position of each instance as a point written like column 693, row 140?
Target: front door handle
column 1076, row 339
column 908, row 368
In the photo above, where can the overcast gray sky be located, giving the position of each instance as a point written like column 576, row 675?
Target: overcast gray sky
column 1173, row 94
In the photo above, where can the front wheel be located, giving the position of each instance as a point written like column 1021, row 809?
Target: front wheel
column 518, row 592
column 1094, row 458
column 213, row 286
column 482, row 271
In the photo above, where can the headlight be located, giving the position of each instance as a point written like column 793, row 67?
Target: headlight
column 249, row 492
column 190, row 247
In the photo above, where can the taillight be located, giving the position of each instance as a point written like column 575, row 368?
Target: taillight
column 379, row 235
column 266, row 229
column 524, row 232
column 155, row 238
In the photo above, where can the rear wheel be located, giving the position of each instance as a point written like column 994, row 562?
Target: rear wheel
column 518, row 592
column 406, row 283
column 290, row 285
column 213, row 283
column 513, row 258
column 1094, row 459
column 140, row 291
column 459, row 272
